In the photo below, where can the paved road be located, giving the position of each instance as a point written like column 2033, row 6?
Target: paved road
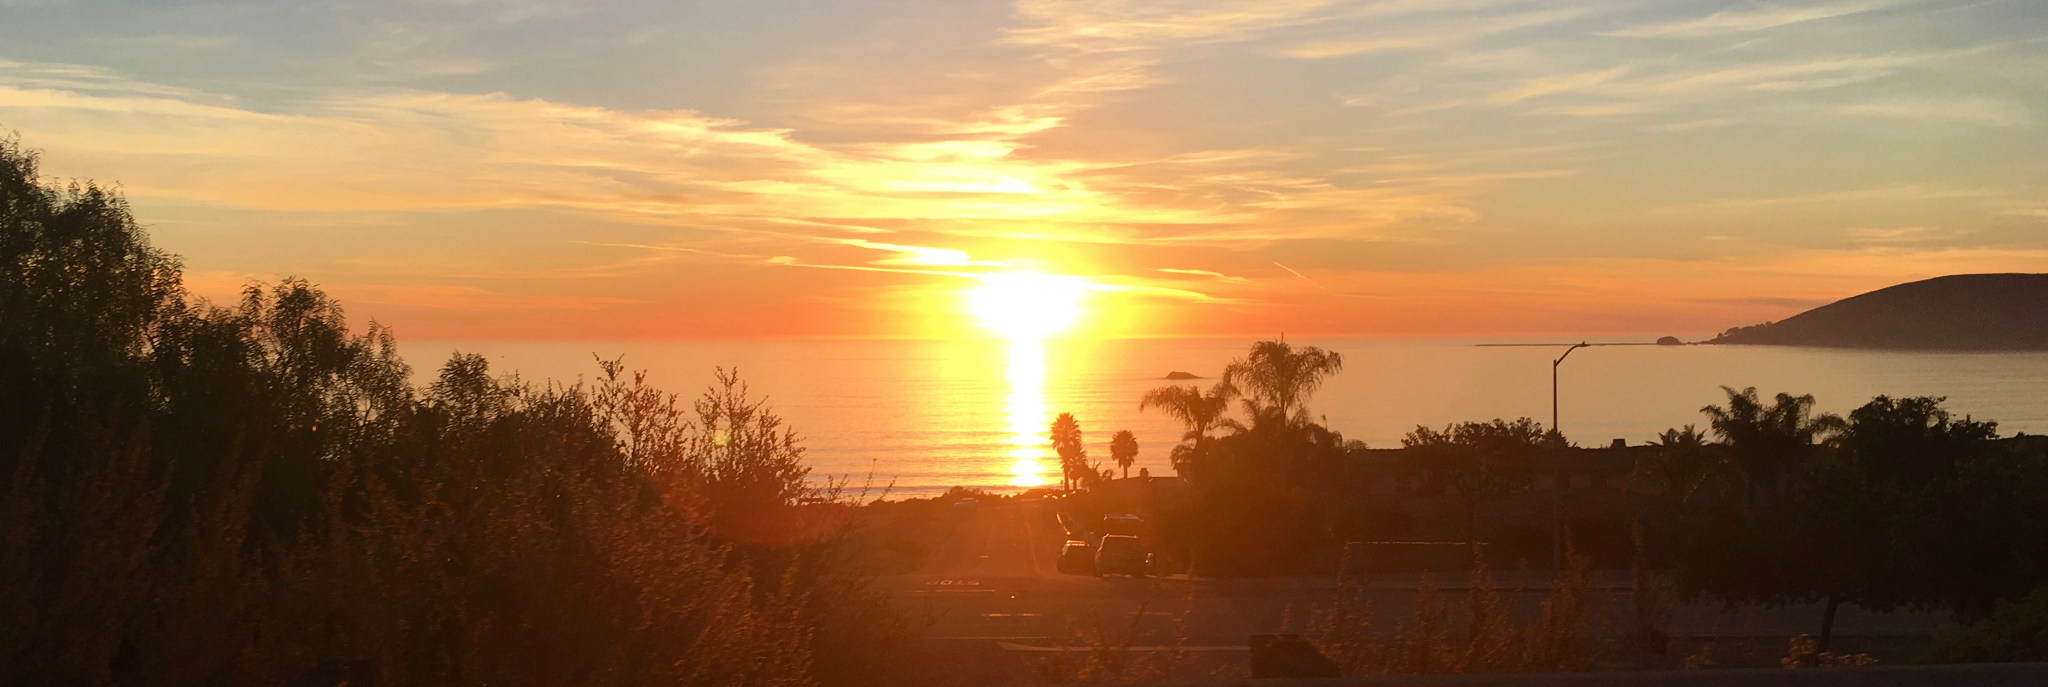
column 990, row 594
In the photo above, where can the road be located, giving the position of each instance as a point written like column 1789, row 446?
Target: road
column 989, row 597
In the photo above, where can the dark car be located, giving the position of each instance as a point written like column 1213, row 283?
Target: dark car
column 1121, row 523
column 1076, row 558
column 1120, row 554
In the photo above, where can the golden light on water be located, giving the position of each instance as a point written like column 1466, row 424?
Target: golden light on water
column 1026, row 308
column 1027, row 411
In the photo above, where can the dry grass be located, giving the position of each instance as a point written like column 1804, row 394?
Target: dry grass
column 1098, row 652
column 1479, row 634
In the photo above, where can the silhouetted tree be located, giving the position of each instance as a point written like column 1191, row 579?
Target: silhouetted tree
column 1480, row 462
column 1277, row 375
column 1066, row 443
column 1274, row 466
column 1199, row 412
column 221, row 495
column 1902, row 506
column 1767, row 441
column 1123, row 448
column 1685, row 465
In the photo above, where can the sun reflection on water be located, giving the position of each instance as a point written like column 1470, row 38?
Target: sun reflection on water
column 1026, row 405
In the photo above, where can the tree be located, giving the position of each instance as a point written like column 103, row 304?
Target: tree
column 1275, row 374
column 1276, row 466
column 1768, row 441
column 1902, row 505
column 1198, row 411
column 1480, row 462
column 1066, row 442
column 1123, row 448
column 202, row 494
column 1685, row 466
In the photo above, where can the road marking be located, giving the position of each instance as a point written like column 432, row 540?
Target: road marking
column 1013, row 646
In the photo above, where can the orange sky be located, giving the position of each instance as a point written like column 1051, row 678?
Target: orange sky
column 531, row 169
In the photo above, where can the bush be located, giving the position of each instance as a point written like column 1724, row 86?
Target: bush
column 198, row 495
column 2017, row 630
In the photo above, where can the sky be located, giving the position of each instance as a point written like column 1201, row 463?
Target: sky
column 536, row 169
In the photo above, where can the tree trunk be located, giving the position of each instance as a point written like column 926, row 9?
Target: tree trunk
column 1827, row 625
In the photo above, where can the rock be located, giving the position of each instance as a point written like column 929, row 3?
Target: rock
column 1669, row 341
column 1177, row 374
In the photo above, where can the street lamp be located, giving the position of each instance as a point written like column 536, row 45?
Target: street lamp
column 1558, row 476
column 1553, row 383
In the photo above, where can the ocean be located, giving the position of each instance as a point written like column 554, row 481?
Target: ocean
column 919, row 417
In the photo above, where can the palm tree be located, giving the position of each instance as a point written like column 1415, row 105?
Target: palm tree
column 1684, row 464
column 1281, row 377
column 1766, row 441
column 1066, row 441
column 1198, row 411
column 1123, row 448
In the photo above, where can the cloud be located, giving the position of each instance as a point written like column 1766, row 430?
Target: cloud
column 474, row 299
column 1118, row 25
column 1438, row 33
column 1757, row 19
column 1771, row 301
column 1882, row 235
column 1203, row 273
column 1562, row 84
column 1907, row 193
column 1975, row 111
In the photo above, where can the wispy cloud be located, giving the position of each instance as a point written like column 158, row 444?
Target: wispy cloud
column 1976, row 111
column 1757, row 18
column 1901, row 193
column 1561, row 84
column 1119, row 26
column 1440, row 34
column 1203, row 273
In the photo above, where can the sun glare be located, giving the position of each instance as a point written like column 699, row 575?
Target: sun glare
column 1025, row 306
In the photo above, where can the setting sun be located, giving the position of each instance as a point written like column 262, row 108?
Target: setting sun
column 1027, row 305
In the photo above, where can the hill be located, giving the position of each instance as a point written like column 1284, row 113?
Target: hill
column 1964, row 312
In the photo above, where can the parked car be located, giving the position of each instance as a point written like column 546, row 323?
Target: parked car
column 1120, row 554
column 1121, row 523
column 1076, row 558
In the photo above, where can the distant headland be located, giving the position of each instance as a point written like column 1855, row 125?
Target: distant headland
column 1964, row 312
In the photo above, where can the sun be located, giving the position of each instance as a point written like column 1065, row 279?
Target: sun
column 1027, row 305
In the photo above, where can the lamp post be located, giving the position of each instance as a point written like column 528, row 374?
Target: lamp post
column 1553, row 383
column 1558, row 479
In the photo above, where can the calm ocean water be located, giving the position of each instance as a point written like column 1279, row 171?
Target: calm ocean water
column 928, row 415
